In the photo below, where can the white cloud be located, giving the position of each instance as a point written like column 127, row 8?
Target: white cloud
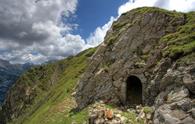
column 30, row 30
column 178, row 5
column 98, row 35
column 182, row 5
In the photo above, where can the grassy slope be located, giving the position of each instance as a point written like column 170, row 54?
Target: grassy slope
column 58, row 108
column 57, row 102
column 182, row 42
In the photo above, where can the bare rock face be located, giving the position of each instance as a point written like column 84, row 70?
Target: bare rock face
column 145, row 49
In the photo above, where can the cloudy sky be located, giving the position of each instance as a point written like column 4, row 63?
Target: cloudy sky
column 41, row 30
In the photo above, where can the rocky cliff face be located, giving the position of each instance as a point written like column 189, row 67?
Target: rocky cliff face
column 149, row 49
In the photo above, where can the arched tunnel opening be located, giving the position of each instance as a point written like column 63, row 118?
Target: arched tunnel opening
column 133, row 91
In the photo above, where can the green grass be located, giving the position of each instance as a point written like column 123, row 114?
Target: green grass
column 186, row 60
column 182, row 42
column 144, row 10
column 132, row 117
column 148, row 109
column 191, row 17
column 53, row 103
column 181, row 50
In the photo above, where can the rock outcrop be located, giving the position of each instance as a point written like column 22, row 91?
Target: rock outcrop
column 149, row 49
column 100, row 114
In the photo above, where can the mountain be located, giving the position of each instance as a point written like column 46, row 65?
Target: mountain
column 148, row 58
column 143, row 73
column 8, row 75
column 43, row 88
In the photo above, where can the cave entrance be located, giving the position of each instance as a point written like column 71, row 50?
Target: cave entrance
column 133, row 91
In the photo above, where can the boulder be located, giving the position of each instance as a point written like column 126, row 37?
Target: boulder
column 177, row 94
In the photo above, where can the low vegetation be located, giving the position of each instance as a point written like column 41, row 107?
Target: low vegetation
column 182, row 42
column 52, row 86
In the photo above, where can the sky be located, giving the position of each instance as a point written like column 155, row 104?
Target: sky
column 38, row 31
column 94, row 13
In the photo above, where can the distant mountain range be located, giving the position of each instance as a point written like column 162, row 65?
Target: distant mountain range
column 8, row 75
